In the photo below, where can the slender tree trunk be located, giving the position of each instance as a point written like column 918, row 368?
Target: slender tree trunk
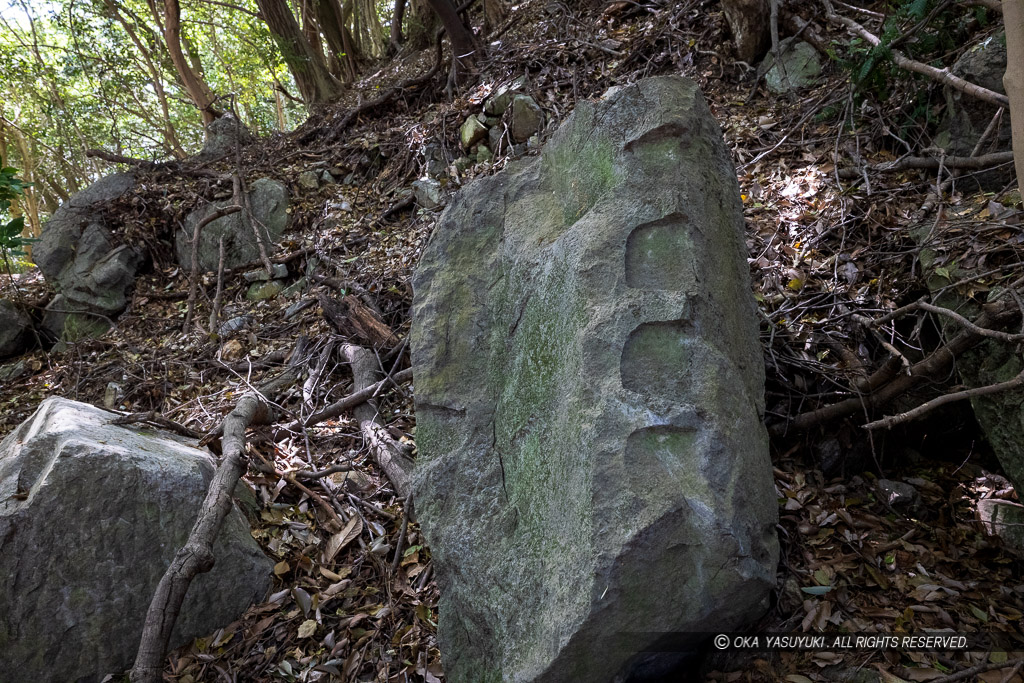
column 315, row 82
column 1013, row 79
column 193, row 83
column 464, row 48
column 749, row 22
column 396, row 25
column 332, row 18
column 495, row 13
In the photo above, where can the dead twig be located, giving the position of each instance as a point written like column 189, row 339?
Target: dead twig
column 159, row 420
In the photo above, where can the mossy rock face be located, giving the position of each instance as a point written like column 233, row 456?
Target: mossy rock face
column 90, row 517
column 593, row 466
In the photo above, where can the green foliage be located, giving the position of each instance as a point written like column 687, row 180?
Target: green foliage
column 11, row 188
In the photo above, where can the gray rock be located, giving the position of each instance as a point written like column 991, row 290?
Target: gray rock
column 593, row 464
column 525, row 118
column 278, row 271
column 498, row 139
column 308, row 180
column 462, row 163
column 327, row 179
column 224, row 136
column 90, row 516
column 81, row 258
column 799, row 67
column 294, row 288
column 261, row 291
column 483, row 154
column 428, row 193
column 898, row 494
column 966, row 117
column 12, row 371
column 1005, row 519
column 269, row 201
column 472, row 132
column 235, row 325
column 15, row 329
column 498, row 102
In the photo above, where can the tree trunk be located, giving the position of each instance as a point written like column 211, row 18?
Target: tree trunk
column 495, row 13
column 396, row 25
column 314, row 81
column 1013, row 79
column 464, row 48
column 332, row 17
column 749, row 23
column 194, row 84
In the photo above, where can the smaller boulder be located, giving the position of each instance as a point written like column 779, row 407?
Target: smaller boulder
column 472, row 132
column 308, row 180
column 501, row 98
column 428, row 193
column 15, row 329
column 224, row 135
column 279, row 271
column 1005, row 519
column 269, row 201
column 799, row 67
column 261, row 291
column 525, row 118
column 898, row 494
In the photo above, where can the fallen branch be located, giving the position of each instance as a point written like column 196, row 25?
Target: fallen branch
column 928, row 163
column 350, row 401
column 159, row 420
column 902, row 61
column 196, row 556
column 893, row 420
column 388, row 455
column 935, row 364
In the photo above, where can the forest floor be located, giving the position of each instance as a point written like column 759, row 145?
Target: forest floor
column 361, row 603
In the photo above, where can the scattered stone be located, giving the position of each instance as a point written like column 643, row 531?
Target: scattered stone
column 280, row 271
column 427, row 192
column 15, row 329
column 497, row 139
column 269, row 201
column 224, row 135
column 294, row 288
column 12, row 371
column 326, row 178
column 533, row 142
column 235, row 325
column 799, row 67
column 83, row 261
column 350, row 179
column 231, row 350
column 462, row 163
column 589, row 400
column 112, row 395
column 525, row 118
column 297, row 308
column 898, row 494
column 499, row 101
column 483, row 154
column 90, row 516
column 472, row 132
column 519, row 150
column 1005, row 519
column 308, row 180
column 261, row 291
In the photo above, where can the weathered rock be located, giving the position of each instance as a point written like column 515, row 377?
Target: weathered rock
column 798, row 68
column 235, row 325
column 82, row 259
column 224, row 136
column 898, row 493
column 308, row 180
column 15, row 329
column 269, row 201
column 967, row 117
column 498, row 102
column 525, row 118
column 472, row 132
column 483, row 154
column 1005, row 519
column 90, row 516
column 12, row 371
column 589, row 385
column 260, row 291
column 278, row 271
column 428, row 193
column 498, row 139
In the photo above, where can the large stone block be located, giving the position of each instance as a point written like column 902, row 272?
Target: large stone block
column 90, row 517
column 593, row 470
